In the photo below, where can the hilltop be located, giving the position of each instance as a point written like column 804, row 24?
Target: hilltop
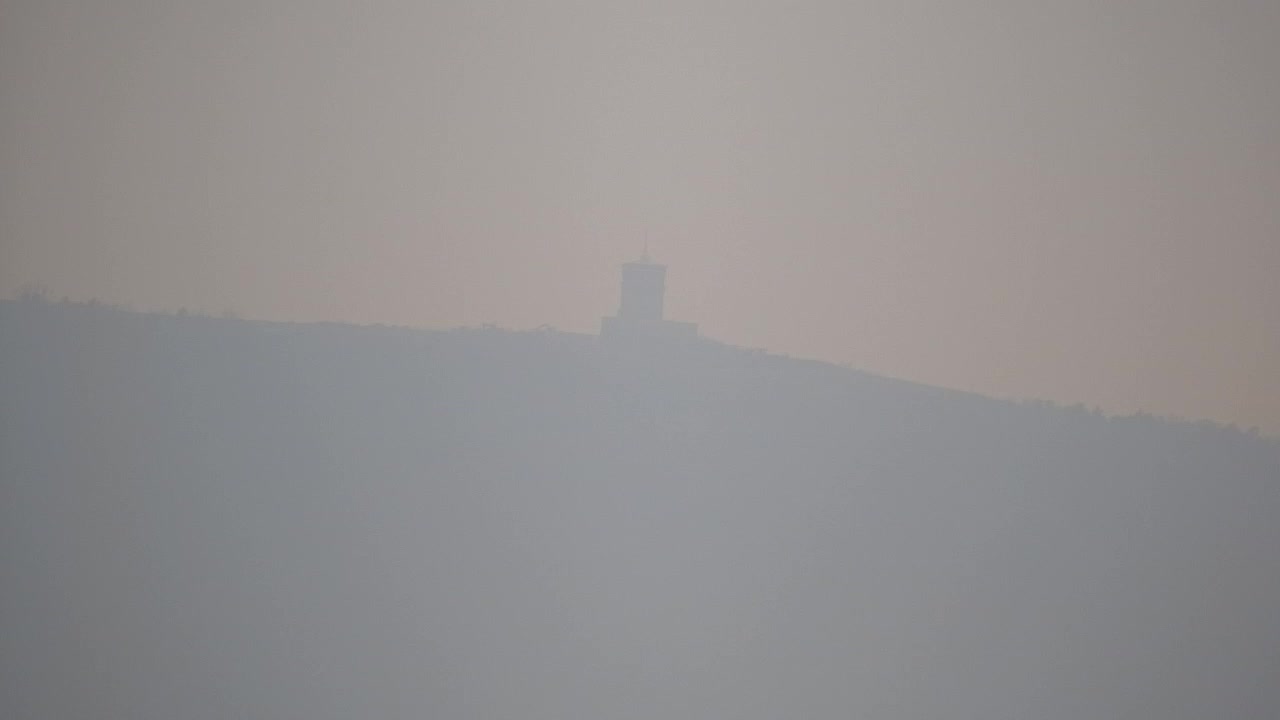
column 334, row 521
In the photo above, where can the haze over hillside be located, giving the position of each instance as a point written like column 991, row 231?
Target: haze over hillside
column 217, row 518
column 1070, row 200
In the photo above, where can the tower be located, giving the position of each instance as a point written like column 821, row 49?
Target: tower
column 643, row 286
column 639, row 317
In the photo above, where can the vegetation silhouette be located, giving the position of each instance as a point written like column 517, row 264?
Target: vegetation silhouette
column 216, row 517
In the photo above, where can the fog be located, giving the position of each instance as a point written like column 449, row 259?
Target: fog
column 940, row 382
column 1068, row 201
column 211, row 518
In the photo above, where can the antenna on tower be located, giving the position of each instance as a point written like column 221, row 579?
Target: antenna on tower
column 645, row 256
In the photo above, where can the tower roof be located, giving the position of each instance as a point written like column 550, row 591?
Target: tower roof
column 645, row 260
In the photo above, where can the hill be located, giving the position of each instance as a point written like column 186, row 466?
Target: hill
column 218, row 518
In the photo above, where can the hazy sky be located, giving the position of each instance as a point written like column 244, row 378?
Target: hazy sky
column 1068, row 200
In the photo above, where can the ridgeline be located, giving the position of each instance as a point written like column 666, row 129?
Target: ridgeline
column 217, row 518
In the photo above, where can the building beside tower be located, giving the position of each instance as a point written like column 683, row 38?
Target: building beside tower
column 639, row 317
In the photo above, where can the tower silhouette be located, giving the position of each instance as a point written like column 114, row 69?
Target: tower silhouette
column 640, row 308
column 644, row 283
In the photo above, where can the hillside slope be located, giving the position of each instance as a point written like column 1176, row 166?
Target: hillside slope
column 212, row 518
